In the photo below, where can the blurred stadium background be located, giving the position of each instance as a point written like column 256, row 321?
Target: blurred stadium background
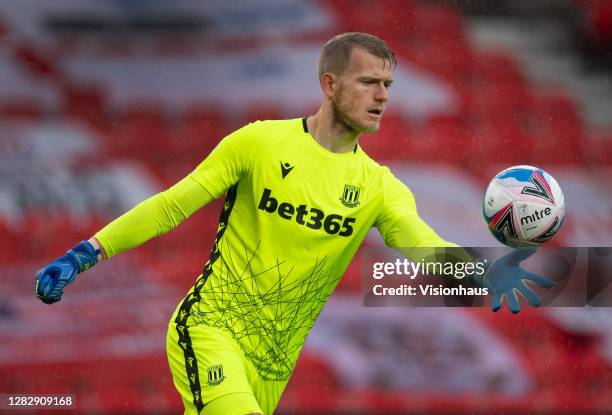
column 104, row 103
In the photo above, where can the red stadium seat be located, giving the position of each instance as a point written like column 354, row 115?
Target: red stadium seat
column 452, row 61
column 500, row 121
column 443, row 139
column 86, row 104
column 312, row 377
column 54, row 232
column 597, row 149
column 599, row 18
column 130, row 138
column 4, row 30
column 202, row 116
column 499, row 66
column 556, row 105
column 10, row 244
column 556, row 128
column 175, row 152
column 150, row 114
column 394, row 141
column 265, row 111
column 506, row 98
column 391, row 19
column 431, row 18
column 34, row 61
column 501, row 142
column 22, row 109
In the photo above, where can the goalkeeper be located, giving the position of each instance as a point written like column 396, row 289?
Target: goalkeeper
column 300, row 196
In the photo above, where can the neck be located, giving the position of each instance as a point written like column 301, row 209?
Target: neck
column 330, row 132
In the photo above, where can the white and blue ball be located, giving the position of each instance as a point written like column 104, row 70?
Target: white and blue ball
column 523, row 206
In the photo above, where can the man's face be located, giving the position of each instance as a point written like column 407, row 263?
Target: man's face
column 363, row 91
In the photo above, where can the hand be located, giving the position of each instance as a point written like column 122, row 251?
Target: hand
column 52, row 278
column 505, row 277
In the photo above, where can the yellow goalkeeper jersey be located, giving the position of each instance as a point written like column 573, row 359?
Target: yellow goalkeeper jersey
column 294, row 215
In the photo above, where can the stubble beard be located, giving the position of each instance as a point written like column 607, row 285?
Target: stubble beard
column 347, row 123
column 342, row 120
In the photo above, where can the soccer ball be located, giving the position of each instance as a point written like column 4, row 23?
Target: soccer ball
column 523, row 206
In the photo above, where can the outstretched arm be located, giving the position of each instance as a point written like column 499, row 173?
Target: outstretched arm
column 401, row 226
column 225, row 166
column 153, row 217
column 403, row 229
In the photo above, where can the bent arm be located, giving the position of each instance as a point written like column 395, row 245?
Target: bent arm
column 151, row 218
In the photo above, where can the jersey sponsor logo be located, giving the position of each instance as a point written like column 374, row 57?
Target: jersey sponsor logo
column 350, row 196
column 286, row 168
column 310, row 217
column 215, row 375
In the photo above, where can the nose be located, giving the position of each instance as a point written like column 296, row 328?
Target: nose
column 382, row 93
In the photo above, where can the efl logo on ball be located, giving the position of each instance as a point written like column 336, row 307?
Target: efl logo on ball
column 523, row 206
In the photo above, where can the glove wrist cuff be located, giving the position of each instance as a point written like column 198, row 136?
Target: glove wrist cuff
column 83, row 256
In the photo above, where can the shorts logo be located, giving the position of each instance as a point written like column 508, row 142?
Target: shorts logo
column 215, row 375
column 350, row 196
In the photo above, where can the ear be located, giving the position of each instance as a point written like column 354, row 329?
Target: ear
column 328, row 84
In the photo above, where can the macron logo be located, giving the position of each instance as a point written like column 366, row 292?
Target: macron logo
column 286, row 168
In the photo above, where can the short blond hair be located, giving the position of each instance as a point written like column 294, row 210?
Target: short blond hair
column 336, row 53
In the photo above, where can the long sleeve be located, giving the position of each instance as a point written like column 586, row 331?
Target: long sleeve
column 225, row 166
column 153, row 217
column 403, row 229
